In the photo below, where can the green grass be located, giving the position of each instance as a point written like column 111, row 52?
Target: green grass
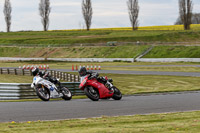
column 124, row 51
column 133, row 84
column 97, row 36
column 156, row 68
column 174, row 52
column 137, row 84
column 128, row 51
column 187, row 122
column 5, row 78
column 31, row 100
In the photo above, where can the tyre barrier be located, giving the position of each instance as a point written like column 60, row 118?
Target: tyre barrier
column 88, row 67
column 14, row 91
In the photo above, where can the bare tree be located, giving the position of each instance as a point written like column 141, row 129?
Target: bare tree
column 185, row 12
column 133, row 9
column 87, row 13
column 7, row 13
column 195, row 19
column 45, row 9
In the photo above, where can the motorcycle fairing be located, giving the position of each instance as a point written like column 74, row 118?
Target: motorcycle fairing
column 103, row 91
column 38, row 80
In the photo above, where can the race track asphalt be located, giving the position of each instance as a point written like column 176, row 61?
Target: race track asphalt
column 85, row 108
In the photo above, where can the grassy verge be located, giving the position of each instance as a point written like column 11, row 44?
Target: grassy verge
column 96, row 36
column 156, row 68
column 174, row 52
column 128, row 51
column 4, row 78
column 134, row 84
column 31, row 100
column 172, row 122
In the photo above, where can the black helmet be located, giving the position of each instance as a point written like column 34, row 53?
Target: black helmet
column 35, row 71
column 82, row 71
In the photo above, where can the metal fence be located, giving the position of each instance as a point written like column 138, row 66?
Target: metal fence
column 57, row 74
column 13, row 91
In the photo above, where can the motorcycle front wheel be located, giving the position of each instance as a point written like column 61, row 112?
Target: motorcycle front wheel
column 117, row 94
column 91, row 93
column 43, row 93
column 67, row 95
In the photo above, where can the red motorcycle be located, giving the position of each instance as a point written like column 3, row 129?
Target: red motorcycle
column 96, row 88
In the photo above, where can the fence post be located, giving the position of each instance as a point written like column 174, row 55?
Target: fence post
column 22, row 71
column 73, row 78
column 54, row 74
column 1, row 71
column 30, row 72
column 77, row 78
column 62, row 76
column 51, row 72
column 57, row 74
column 8, row 71
column 69, row 77
column 15, row 70
column 65, row 76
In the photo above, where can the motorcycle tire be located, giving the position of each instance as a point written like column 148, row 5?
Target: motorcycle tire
column 43, row 93
column 117, row 94
column 92, row 93
column 67, row 95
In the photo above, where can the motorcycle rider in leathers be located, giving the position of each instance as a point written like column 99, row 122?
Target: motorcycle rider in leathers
column 83, row 72
column 45, row 75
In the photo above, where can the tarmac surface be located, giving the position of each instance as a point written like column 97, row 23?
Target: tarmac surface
column 85, row 108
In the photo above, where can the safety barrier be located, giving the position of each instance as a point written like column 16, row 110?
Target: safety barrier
column 61, row 75
column 31, row 66
column 14, row 91
column 88, row 67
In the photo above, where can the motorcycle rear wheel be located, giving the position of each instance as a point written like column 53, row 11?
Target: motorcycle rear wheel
column 43, row 93
column 92, row 93
column 67, row 95
column 117, row 94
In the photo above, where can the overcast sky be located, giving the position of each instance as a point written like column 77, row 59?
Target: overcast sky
column 66, row 14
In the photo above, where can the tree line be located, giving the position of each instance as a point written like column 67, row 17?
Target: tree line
column 186, row 17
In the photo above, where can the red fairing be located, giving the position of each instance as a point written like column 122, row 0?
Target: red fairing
column 103, row 91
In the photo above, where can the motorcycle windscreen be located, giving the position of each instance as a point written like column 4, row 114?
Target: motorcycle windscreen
column 83, row 83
